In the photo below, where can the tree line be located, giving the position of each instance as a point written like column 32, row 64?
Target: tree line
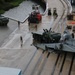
column 7, row 4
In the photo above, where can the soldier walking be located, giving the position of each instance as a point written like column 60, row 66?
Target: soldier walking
column 19, row 24
column 21, row 39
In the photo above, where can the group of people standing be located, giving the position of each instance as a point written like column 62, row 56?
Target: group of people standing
column 54, row 12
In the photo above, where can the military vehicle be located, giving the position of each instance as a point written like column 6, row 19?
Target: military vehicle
column 65, row 44
column 47, row 36
column 71, row 21
column 34, row 17
column 3, row 21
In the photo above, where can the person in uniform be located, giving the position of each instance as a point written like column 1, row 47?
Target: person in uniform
column 21, row 39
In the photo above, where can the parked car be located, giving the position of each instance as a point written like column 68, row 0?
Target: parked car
column 3, row 21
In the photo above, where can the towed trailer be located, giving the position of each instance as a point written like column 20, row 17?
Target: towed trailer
column 9, row 71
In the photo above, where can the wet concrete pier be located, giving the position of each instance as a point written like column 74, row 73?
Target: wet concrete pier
column 30, row 60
